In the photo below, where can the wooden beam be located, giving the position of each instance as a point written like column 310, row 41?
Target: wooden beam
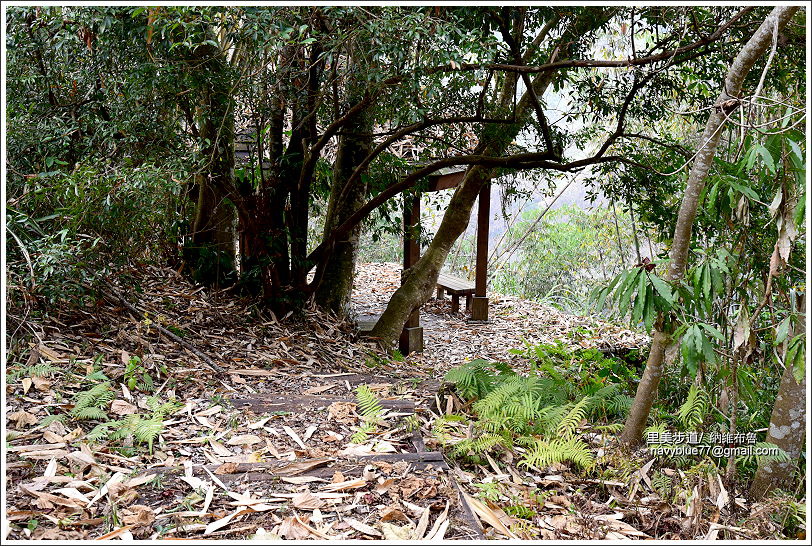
column 411, row 338
column 482, row 236
column 445, row 181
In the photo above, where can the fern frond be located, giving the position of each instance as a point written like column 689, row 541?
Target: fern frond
column 569, row 424
column 780, row 455
column 692, row 413
column 97, row 396
column 362, row 434
column 612, row 428
column 100, row 431
column 48, row 419
column 545, row 453
column 369, row 406
column 479, row 445
column 147, row 430
column 474, row 379
column 83, row 414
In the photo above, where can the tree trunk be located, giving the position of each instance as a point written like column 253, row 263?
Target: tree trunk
column 211, row 253
column 420, row 279
column 354, row 145
column 750, row 53
column 787, row 426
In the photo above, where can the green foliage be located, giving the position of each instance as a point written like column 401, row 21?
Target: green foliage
column 542, row 453
column 92, row 403
column 532, row 410
column 694, row 411
column 639, row 293
column 564, row 255
column 42, row 369
column 141, row 428
column 796, row 357
column 475, row 379
column 371, row 413
column 136, row 376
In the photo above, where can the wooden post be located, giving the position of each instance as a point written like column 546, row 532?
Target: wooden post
column 411, row 339
column 479, row 306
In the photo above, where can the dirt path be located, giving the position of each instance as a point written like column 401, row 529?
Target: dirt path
column 275, row 447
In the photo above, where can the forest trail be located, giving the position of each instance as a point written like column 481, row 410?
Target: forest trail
column 283, row 444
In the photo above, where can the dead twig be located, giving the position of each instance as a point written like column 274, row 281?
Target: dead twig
column 115, row 296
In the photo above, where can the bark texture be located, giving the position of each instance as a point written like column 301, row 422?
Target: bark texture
column 787, row 427
column 741, row 66
column 354, row 145
column 211, row 253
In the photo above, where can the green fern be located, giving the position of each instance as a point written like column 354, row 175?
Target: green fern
column 543, row 453
column 780, row 456
column 612, row 428
column 35, row 370
column 693, row 412
column 475, row 379
column 362, row 434
column 369, row 406
column 147, row 430
column 444, row 425
column 569, row 423
column 663, row 485
column 371, row 412
column 48, row 419
column 477, row 446
column 91, row 404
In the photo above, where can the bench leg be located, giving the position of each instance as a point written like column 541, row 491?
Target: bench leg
column 468, row 302
column 440, row 293
column 455, row 304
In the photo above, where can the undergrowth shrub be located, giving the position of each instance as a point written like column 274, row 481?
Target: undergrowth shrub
column 540, row 411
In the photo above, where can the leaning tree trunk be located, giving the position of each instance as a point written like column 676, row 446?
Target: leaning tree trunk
column 727, row 101
column 419, row 281
column 354, row 145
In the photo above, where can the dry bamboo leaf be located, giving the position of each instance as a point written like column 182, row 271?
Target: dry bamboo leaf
column 244, row 440
column 343, row 486
column 222, row 522
column 219, row 448
column 422, row 524
column 259, row 424
column 309, row 432
column 362, row 527
column 292, row 433
column 307, row 501
column 435, row 529
column 487, row 515
column 209, row 412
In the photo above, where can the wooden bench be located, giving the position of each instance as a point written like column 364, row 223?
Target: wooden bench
column 456, row 287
